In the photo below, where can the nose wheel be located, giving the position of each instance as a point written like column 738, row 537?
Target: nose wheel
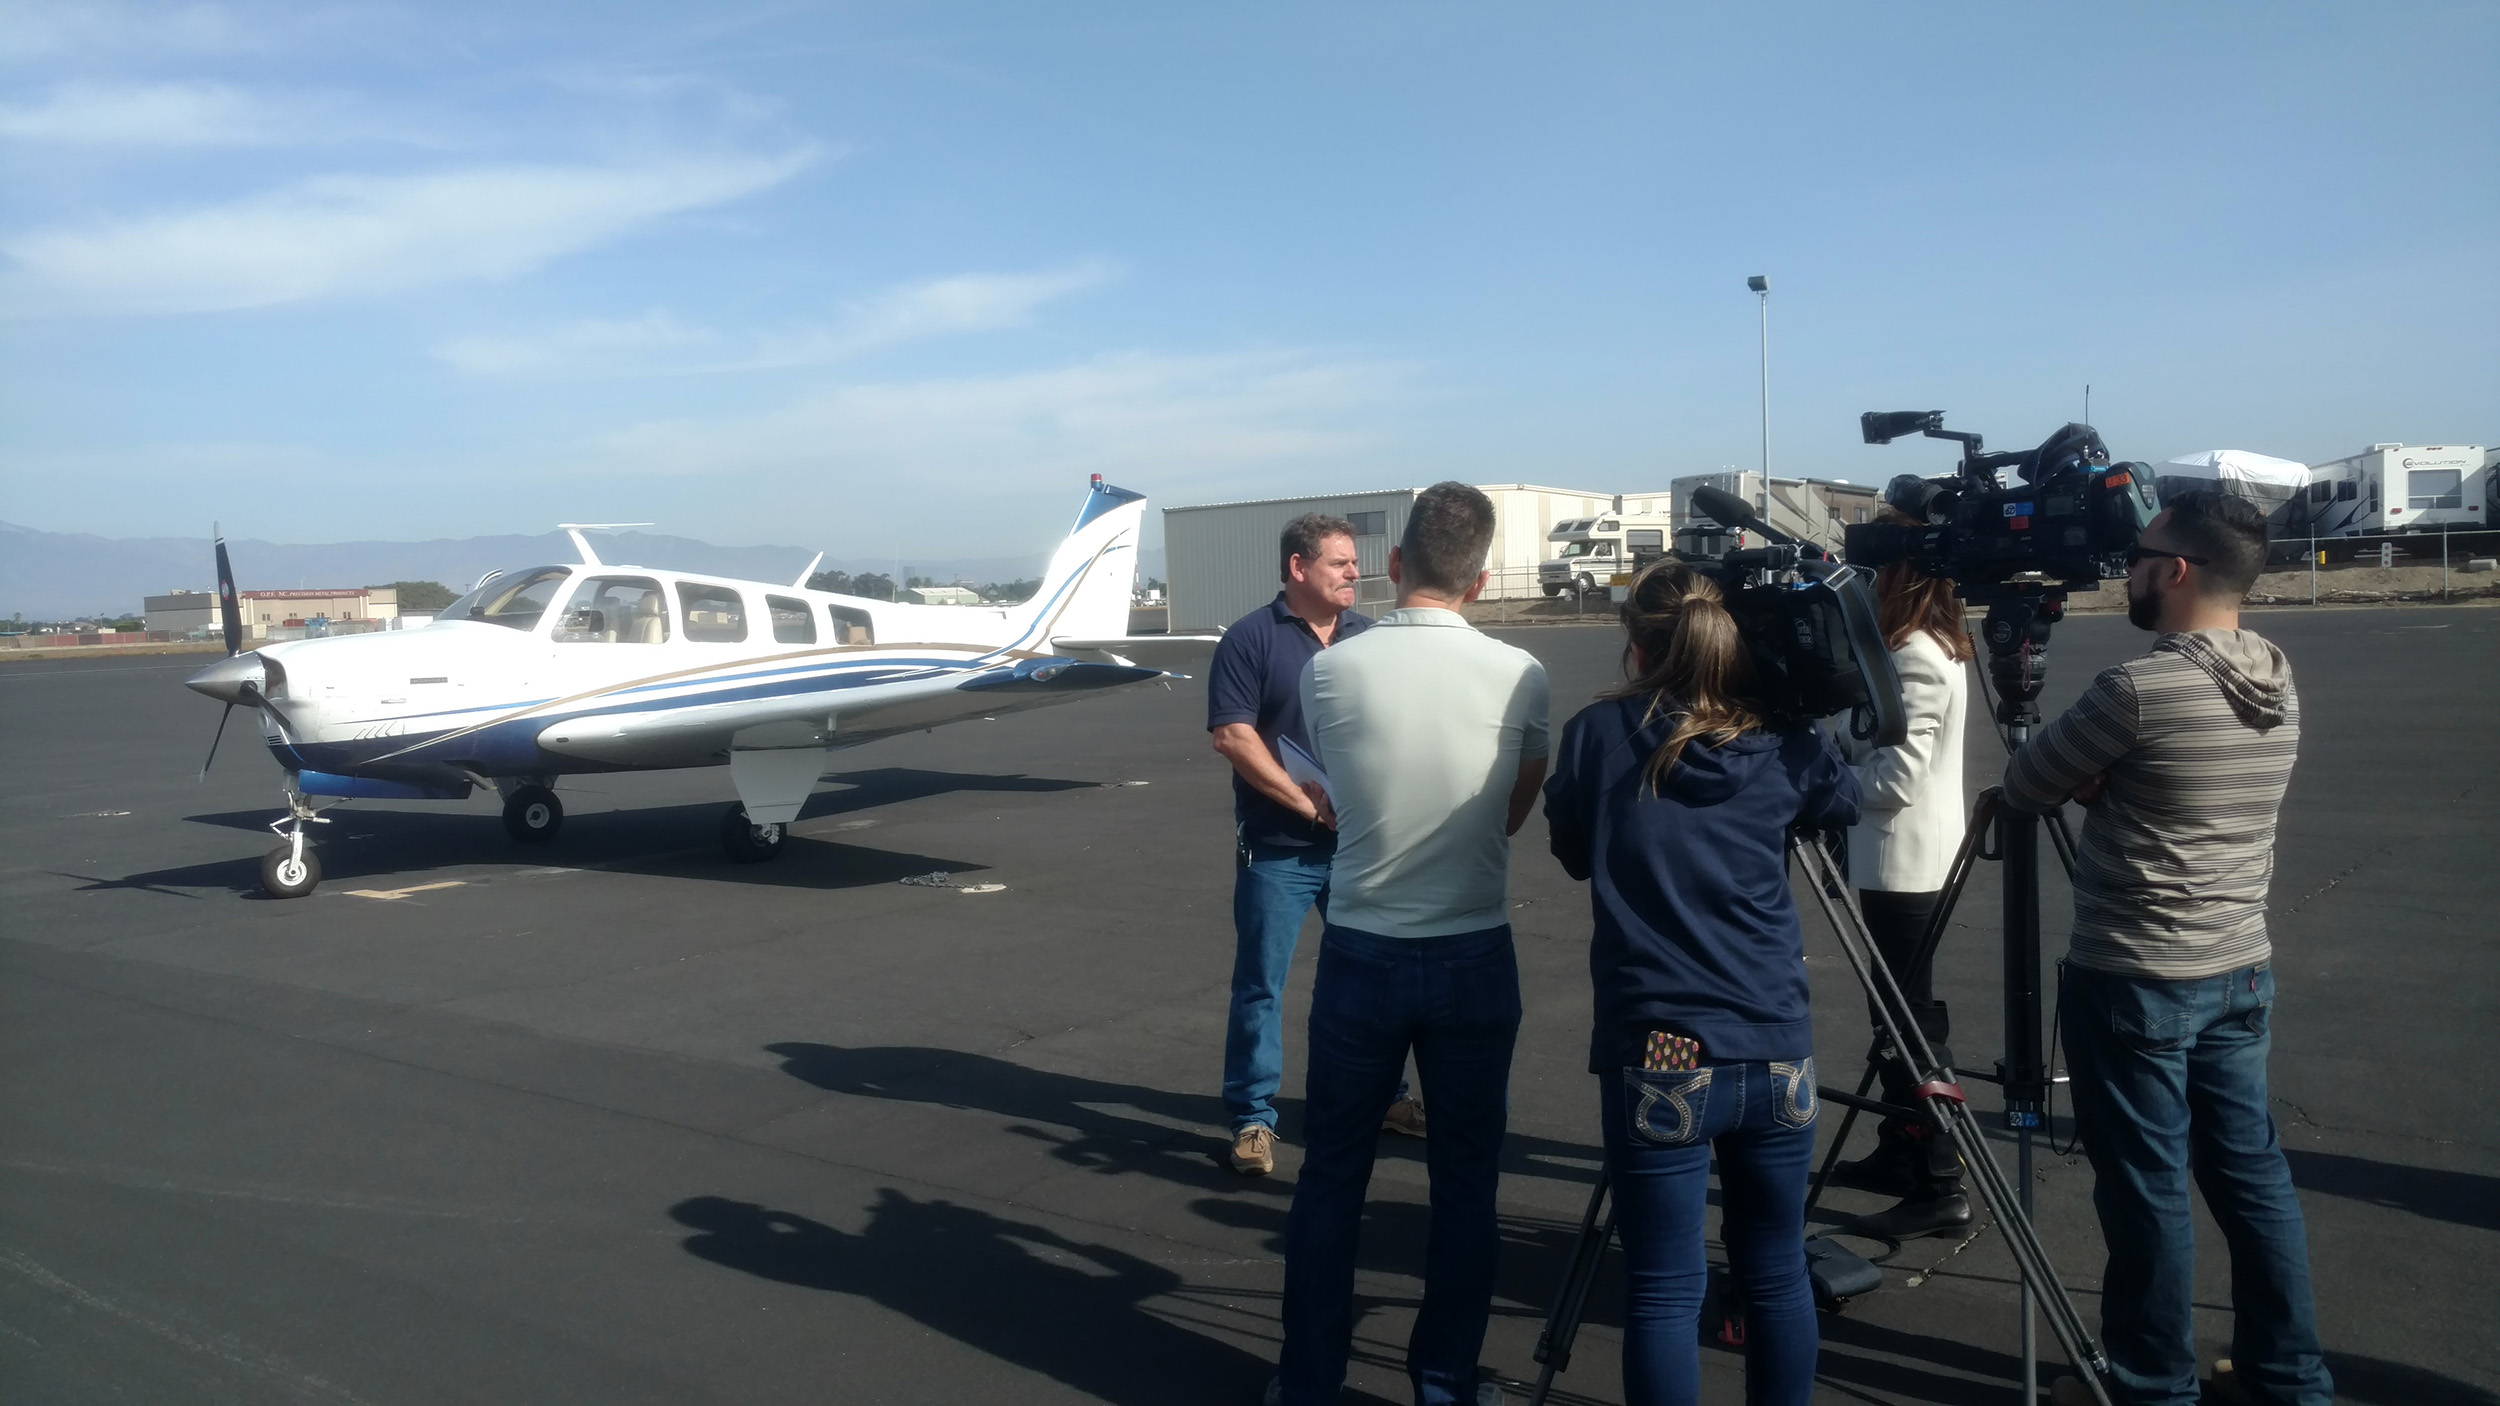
column 746, row 842
column 292, row 870
column 533, row 815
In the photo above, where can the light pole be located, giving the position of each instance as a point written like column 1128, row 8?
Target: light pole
column 1761, row 285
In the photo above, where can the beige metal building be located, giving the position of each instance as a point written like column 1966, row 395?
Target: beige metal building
column 183, row 612
column 1220, row 558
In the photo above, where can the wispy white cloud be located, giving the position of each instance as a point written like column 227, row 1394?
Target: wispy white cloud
column 658, row 344
column 189, row 114
column 1170, row 416
column 344, row 235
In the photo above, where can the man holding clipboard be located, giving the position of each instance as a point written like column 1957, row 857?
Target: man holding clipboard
column 1283, row 849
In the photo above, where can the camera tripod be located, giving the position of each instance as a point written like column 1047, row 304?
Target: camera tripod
column 2016, row 630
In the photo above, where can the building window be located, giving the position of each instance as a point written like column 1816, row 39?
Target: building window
column 1371, row 524
column 713, row 614
column 793, row 622
column 2434, row 488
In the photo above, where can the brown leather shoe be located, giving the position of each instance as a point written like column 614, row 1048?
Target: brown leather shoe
column 1405, row 1117
column 1254, row 1150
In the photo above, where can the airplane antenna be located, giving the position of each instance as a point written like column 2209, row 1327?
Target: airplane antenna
column 801, row 583
column 581, row 544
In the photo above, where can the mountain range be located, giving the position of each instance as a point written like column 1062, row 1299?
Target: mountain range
column 65, row 575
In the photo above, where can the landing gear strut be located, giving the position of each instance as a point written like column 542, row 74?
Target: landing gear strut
column 748, row 843
column 292, row 870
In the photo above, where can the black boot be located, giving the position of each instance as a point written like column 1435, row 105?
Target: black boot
column 1894, row 1168
column 1913, row 1217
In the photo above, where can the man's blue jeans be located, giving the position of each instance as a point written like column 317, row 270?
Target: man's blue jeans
column 1454, row 1002
column 2169, row 1083
column 1272, row 894
column 1660, row 1129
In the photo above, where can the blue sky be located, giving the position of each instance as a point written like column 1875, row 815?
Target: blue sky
column 861, row 276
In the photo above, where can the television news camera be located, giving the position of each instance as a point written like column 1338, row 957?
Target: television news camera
column 2067, row 520
column 1809, row 627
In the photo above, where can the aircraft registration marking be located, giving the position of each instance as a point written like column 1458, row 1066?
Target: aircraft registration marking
column 387, row 895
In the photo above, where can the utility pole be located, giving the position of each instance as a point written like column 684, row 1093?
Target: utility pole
column 1761, row 285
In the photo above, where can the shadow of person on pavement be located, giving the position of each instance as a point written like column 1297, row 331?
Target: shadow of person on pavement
column 1082, row 1314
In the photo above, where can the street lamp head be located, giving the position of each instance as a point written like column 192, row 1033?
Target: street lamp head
column 1759, row 283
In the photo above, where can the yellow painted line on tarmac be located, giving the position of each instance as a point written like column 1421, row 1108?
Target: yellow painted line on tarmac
column 386, row 895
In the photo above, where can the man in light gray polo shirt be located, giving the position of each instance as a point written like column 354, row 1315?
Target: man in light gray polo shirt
column 1433, row 738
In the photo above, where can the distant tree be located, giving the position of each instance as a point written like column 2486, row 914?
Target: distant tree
column 874, row 585
column 1010, row 592
column 838, row 582
column 916, row 582
column 129, row 623
column 419, row 597
column 1153, row 584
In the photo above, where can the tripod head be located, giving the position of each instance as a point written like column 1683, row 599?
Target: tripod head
column 2016, row 632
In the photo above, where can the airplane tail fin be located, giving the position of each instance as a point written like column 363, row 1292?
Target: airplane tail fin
column 1086, row 590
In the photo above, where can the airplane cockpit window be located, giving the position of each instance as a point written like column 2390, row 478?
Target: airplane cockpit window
column 516, row 601
column 614, row 610
column 852, row 625
column 793, row 622
column 713, row 614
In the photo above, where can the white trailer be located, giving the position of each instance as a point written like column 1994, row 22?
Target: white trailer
column 1808, row 509
column 2399, row 490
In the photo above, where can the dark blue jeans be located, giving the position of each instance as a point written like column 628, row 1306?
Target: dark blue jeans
column 1660, row 1130
column 1272, row 894
column 1454, row 1003
column 2169, row 1084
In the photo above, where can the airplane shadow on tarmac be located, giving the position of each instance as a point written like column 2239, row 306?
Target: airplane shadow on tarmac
column 678, row 841
column 1070, row 1310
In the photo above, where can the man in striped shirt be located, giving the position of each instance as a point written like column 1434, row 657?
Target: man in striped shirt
column 2182, row 757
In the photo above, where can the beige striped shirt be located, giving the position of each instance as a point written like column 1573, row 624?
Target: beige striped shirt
column 2198, row 738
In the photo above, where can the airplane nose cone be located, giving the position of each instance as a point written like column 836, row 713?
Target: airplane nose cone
column 227, row 679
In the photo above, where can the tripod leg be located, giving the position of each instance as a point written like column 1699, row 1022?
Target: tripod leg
column 1571, row 1297
column 1840, row 1140
column 1943, row 1102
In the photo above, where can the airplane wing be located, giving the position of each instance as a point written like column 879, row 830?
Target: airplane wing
column 696, row 734
column 1185, row 655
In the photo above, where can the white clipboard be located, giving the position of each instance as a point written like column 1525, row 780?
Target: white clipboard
column 1300, row 768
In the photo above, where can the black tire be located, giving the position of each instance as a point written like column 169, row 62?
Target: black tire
column 1587, row 585
column 280, row 877
column 533, row 815
column 746, row 843
column 1552, row 590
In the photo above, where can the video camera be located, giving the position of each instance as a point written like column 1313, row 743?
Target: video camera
column 2067, row 520
column 1808, row 623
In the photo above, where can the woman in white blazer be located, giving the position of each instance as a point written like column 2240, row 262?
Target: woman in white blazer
column 1910, row 822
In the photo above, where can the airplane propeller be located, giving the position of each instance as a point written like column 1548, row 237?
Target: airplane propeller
column 231, row 607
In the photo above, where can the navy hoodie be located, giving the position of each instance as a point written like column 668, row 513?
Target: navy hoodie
column 1696, row 929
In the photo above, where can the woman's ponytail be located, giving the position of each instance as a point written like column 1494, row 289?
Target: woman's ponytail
column 1687, row 658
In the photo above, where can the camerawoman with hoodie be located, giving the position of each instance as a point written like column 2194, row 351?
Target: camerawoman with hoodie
column 1672, row 796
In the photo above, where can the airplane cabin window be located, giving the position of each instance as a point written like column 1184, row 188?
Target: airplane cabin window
column 515, row 602
column 793, row 623
column 712, row 614
column 852, row 625
column 614, row 610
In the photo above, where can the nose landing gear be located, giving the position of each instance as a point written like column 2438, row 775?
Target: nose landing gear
column 292, row 870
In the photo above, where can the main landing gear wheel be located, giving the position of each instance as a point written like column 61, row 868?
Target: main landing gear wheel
column 747, row 843
column 287, row 873
column 533, row 814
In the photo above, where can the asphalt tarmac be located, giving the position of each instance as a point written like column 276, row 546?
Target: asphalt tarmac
column 614, row 1120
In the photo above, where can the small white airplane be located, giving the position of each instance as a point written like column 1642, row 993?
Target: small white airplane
column 556, row 670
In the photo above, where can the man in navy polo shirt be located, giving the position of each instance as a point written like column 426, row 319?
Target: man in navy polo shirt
column 1254, row 699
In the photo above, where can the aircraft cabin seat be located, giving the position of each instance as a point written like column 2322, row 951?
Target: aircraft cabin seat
column 650, row 620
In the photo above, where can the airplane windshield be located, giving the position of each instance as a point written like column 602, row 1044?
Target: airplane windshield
column 514, row 600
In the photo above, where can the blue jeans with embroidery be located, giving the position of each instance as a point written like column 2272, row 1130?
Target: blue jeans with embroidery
column 1454, row 1002
column 2169, row 1086
column 1660, row 1130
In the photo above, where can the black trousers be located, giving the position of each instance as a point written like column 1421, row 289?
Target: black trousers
column 1898, row 922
